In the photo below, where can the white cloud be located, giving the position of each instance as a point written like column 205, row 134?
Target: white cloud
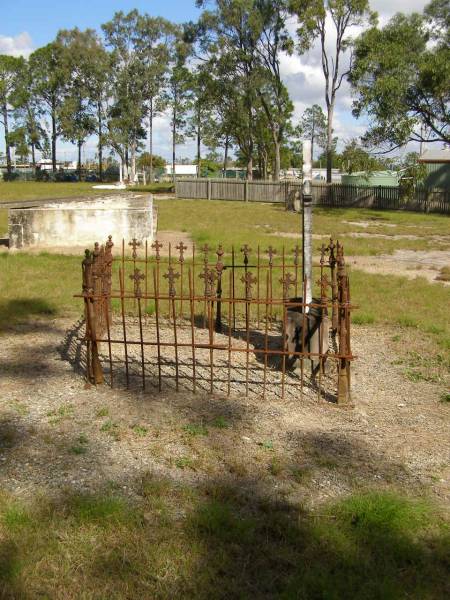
column 19, row 45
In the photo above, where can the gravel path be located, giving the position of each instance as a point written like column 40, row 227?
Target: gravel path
column 58, row 433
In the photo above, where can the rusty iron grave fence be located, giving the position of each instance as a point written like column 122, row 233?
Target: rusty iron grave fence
column 231, row 322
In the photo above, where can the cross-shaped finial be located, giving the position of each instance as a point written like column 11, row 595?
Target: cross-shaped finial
column 219, row 264
column 137, row 277
column 340, row 259
column 157, row 245
column 324, row 284
column 296, row 252
column 205, row 249
column 134, row 244
column 271, row 252
column 323, row 251
column 248, row 279
column 287, row 281
column 332, row 257
column 181, row 247
column 209, row 276
column 171, row 276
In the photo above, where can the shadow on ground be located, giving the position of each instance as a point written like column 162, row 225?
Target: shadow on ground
column 217, row 542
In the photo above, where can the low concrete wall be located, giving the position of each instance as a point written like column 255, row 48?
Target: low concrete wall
column 81, row 222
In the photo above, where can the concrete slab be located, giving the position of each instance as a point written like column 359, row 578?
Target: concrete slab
column 81, row 222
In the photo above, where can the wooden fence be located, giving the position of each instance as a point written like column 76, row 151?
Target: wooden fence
column 334, row 195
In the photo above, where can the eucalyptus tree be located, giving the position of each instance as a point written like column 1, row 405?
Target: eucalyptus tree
column 78, row 108
column 330, row 22
column 49, row 79
column 201, row 122
column 273, row 38
column 177, row 94
column 154, row 42
column 245, row 39
column 228, row 38
column 402, row 81
column 12, row 72
column 313, row 126
column 129, row 85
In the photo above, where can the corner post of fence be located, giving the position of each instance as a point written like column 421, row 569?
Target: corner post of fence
column 93, row 366
column 208, row 189
column 246, row 190
column 343, row 392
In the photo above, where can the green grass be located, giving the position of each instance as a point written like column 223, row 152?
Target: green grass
column 237, row 223
column 181, row 542
column 12, row 191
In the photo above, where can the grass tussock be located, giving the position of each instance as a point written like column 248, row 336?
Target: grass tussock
column 181, row 542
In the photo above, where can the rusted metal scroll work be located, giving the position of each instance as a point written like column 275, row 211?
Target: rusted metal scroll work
column 220, row 321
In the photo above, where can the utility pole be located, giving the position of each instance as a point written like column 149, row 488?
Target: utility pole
column 307, row 221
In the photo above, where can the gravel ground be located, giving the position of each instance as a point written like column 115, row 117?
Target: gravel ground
column 57, row 432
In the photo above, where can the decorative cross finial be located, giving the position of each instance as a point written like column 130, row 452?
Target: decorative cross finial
column 209, row 276
column 248, row 280
column 296, row 252
column 137, row 277
column 157, row 245
column 134, row 244
column 181, row 247
column 323, row 251
column 205, row 249
column 332, row 257
column 324, row 283
column 287, row 281
column 271, row 252
column 219, row 264
column 246, row 251
column 340, row 259
column 171, row 276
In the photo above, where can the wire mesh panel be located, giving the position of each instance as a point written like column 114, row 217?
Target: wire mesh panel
column 221, row 320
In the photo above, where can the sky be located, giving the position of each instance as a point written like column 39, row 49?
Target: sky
column 28, row 24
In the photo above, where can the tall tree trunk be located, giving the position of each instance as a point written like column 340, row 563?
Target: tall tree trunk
column 225, row 158
column 33, row 155
column 100, row 141
column 174, row 133
column 250, row 167
column 7, row 146
column 126, row 173
column 150, row 139
column 329, row 152
column 80, row 144
column 199, row 158
column 133, row 162
column 53, row 136
column 277, row 161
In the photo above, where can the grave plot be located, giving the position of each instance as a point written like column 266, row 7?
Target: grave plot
column 230, row 322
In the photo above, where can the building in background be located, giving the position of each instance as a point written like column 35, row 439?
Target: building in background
column 437, row 163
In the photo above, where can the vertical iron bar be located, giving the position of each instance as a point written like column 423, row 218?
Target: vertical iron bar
column 192, row 310
column 266, row 336
column 258, row 283
column 122, row 304
column 230, row 304
column 108, row 333
column 156, row 290
column 141, row 337
column 234, row 289
column 175, row 341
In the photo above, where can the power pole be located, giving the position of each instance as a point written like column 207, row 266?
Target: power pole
column 307, row 221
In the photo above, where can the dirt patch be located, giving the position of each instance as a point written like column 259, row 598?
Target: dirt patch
column 56, row 434
column 407, row 263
